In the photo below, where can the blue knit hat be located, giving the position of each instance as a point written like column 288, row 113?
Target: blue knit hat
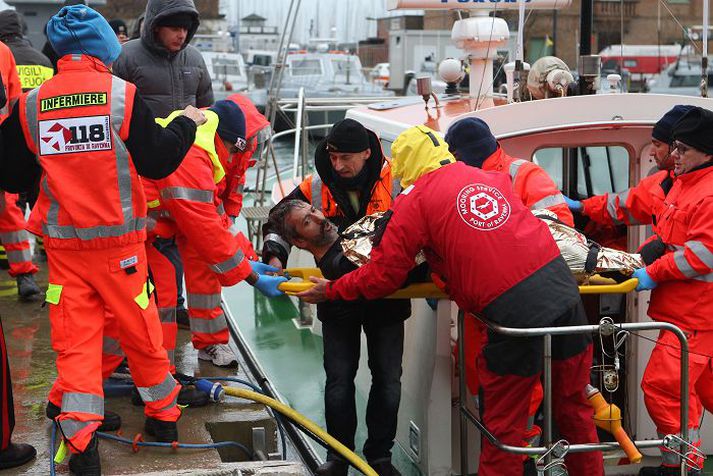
column 471, row 141
column 231, row 125
column 663, row 129
column 78, row 29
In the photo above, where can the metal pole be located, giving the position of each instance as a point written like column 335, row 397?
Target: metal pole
column 298, row 134
column 462, row 408
column 585, row 36
column 547, row 377
column 684, row 395
column 704, row 57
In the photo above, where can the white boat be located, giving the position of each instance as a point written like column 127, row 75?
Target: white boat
column 228, row 73
column 589, row 144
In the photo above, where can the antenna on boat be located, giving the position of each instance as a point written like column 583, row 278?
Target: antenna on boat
column 704, row 57
column 481, row 35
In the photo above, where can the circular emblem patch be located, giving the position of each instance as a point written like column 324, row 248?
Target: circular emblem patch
column 482, row 207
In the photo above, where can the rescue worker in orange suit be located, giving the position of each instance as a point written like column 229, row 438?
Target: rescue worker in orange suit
column 11, row 454
column 639, row 205
column 186, row 206
column 681, row 280
column 353, row 180
column 88, row 135
column 471, row 141
column 479, row 237
column 13, row 236
column 257, row 131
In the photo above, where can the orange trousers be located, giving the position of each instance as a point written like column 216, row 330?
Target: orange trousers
column 662, row 383
column 14, row 237
column 84, row 285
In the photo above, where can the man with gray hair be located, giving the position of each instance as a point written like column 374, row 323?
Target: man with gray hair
column 300, row 224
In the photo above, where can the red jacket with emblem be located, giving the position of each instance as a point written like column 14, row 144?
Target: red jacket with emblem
column 498, row 258
column 531, row 183
column 189, row 203
column 684, row 295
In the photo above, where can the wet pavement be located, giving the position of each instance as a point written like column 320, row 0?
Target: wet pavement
column 32, row 363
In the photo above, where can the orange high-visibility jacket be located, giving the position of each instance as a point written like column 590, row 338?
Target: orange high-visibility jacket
column 637, row 205
column 188, row 202
column 10, row 80
column 684, row 274
column 76, row 123
column 531, row 183
column 382, row 195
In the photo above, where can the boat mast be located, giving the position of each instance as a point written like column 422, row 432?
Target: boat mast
column 585, row 42
column 704, row 57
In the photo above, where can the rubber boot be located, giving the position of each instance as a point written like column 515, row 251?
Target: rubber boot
column 111, row 422
column 16, row 454
column 333, row 468
column 385, row 468
column 87, row 463
column 188, row 395
column 163, row 431
column 27, row 288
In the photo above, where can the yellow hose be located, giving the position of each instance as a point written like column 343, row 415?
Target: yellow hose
column 348, row 454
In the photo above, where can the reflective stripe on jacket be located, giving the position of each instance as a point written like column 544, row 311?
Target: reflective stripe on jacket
column 684, row 274
column 531, row 183
column 187, row 202
column 76, row 123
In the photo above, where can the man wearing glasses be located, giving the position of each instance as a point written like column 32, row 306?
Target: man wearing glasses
column 681, row 280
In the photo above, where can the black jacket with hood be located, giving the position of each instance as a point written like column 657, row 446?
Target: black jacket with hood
column 326, row 173
column 167, row 81
column 11, row 33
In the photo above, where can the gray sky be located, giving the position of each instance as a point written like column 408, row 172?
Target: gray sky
column 347, row 18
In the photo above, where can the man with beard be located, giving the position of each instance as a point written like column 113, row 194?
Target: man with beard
column 306, row 227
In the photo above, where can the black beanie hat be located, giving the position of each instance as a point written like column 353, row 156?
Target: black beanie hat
column 472, row 140
column 663, row 129
column 118, row 26
column 347, row 136
column 231, row 125
column 181, row 20
column 695, row 128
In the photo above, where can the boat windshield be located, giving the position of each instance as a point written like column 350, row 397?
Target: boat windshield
column 346, row 70
column 305, row 67
column 688, row 80
column 226, row 67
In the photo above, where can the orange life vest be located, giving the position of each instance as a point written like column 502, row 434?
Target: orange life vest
column 76, row 123
column 383, row 194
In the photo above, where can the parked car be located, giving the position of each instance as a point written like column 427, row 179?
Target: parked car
column 683, row 77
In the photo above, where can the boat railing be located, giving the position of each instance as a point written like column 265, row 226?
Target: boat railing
column 551, row 455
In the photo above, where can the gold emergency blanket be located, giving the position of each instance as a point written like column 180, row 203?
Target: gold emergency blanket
column 575, row 249
column 574, row 246
column 357, row 240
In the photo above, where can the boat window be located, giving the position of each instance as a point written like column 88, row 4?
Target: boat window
column 600, row 169
column 305, row 67
column 226, row 66
column 345, row 69
column 386, row 146
column 688, row 80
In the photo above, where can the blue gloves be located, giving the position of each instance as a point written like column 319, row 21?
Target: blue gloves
column 262, row 268
column 267, row 284
column 645, row 281
column 574, row 205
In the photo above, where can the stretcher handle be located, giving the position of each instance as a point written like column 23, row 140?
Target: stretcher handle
column 430, row 290
column 619, row 288
column 418, row 290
